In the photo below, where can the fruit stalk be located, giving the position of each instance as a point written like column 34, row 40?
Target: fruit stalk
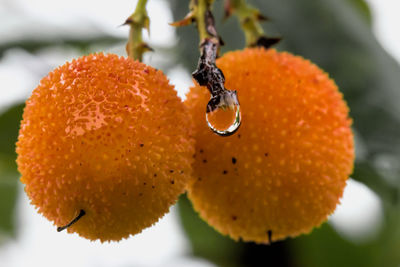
column 138, row 21
column 249, row 18
column 80, row 215
column 201, row 10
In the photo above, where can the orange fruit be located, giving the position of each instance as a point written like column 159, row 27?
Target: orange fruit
column 285, row 169
column 109, row 136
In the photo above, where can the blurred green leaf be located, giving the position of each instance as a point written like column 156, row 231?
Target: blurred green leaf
column 325, row 247
column 209, row 244
column 206, row 242
column 332, row 250
column 363, row 9
column 9, row 125
column 8, row 196
column 322, row 247
column 364, row 172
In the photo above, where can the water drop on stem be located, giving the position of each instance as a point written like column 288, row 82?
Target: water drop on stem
column 223, row 113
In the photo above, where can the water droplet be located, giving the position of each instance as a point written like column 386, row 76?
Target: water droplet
column 223, row 113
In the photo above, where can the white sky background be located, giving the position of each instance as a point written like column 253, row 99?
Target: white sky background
column 38, row 243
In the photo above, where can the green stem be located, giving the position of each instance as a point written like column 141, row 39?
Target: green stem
column 138, row 21
column 249, row 18
column 201, row 12
column 141, row 6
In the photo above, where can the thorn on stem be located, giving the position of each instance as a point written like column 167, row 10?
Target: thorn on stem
column 267, row 42
column 228, row 9
column 261, row 17
column 146, row 47
column 187, row 20
column 127, row 22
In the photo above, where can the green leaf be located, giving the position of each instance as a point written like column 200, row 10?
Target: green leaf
column 363, row 9
column 325, row 247
column 209, row 244
column 364, row 172
column 9, row 125
column 8, row 196
column 206, row 242
column 332, row 252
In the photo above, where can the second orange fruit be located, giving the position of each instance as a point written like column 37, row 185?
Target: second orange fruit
column 285, row 169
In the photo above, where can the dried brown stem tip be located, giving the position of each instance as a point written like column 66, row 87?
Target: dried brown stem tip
column 209, row 75
column 81, row 213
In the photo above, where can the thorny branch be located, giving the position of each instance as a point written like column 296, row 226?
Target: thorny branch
column 138, row 21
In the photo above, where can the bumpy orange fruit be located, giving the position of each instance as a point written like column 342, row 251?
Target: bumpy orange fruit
column 285, row 169
column 107, row 135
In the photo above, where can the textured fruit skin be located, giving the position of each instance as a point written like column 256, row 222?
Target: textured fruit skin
column 286, row 167
column 108, row 135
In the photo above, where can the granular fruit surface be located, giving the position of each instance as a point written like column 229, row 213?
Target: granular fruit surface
column 107, row 135
column 285, row 169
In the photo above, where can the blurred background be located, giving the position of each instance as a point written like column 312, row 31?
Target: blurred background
column 357, row 42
